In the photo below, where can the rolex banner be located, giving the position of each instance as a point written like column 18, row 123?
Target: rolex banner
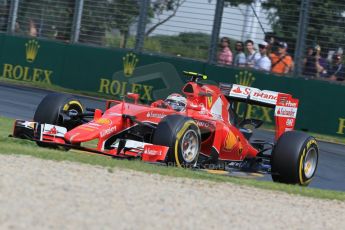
column 115, row 72
column 26, row 60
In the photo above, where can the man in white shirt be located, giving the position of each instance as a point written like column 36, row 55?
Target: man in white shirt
column 263, row 62
column 252, row 55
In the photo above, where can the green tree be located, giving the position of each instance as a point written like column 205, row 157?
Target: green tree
column 54, row 18
column 49, row 17
column 326, row 21
column 94, row 22
column 122, row 14
column 4, row 11
column 237, row 2
column 158, row 8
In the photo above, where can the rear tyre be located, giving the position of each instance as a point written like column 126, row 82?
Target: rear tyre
column 54, row 109
column 294, row 158
column 182, row 135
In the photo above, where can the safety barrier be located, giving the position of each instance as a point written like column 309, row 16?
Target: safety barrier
column 117, row 71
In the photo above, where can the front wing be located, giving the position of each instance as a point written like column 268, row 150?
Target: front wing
column 53, row 136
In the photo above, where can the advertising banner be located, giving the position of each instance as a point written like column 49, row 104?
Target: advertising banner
column 118, row 71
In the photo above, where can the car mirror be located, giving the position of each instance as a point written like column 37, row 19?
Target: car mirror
column 133, row 96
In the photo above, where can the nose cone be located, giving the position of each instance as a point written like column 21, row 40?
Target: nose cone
column 101, row 128
column 82, row 133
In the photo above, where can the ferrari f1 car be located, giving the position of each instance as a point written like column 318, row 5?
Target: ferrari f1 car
column 201, row 131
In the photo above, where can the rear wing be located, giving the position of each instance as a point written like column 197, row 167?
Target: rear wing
column 285, row 106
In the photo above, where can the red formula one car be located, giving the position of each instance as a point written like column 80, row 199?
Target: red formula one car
column 200, row 130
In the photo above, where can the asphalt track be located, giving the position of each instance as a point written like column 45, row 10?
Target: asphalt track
column 20, row 102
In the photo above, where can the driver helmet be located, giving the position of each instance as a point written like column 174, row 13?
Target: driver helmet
column 176, row 101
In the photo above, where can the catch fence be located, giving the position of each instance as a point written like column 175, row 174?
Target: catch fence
column 185, row 28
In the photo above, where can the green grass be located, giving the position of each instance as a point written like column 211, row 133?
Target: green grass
column 332, row 139
column 11, row 146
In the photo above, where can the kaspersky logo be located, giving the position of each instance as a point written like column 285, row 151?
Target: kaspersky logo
column 244, row 78
column 28, row 72
column 129, row 63
column 31, row 51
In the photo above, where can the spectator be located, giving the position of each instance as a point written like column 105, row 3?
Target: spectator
column 282, row 62
column 252, row 55
column 314, row 64
column 271, row 39
column 17, row 28
column 263, row 62
column 309, row 62
column 336, row 70
column 321, row 63
column 240, row 58
column 32, row 28
column 225, row 54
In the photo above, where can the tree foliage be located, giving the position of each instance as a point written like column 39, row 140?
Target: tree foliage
column 325, row 24
column 197, row 44
column 238, row 2
column 158, row 8
column 49, row 17
column 104, row 16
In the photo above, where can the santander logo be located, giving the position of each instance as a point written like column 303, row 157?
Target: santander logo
column 282, row 111
column 241, row 90
column 52, row 131
column 153, row 152
column 265, row 95
column 237, row 90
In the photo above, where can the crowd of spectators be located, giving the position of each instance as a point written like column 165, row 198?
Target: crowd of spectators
column 273, row 57
column 316, row 66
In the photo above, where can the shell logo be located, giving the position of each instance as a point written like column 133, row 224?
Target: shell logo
column 230, row 141
column 103, row 121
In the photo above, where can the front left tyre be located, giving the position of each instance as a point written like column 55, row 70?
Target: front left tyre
column 55, row 109
column 182, row 135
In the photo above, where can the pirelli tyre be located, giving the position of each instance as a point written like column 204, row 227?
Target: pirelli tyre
column 182, row 135
column 294, row 158
column 55, row 109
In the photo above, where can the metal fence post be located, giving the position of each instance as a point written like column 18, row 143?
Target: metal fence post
column 217, row 23
column 301, row 36
column 139, row 41
column 78, row 12
column 12, row 18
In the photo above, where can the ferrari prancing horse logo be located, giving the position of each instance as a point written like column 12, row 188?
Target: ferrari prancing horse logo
column 209, row 101
column 230, row 141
